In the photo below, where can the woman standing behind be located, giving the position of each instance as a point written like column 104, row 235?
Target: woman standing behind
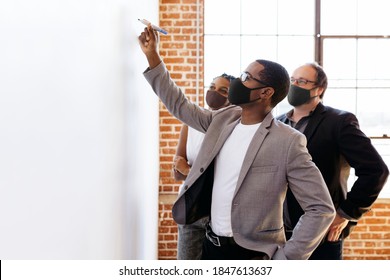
column 190, row 237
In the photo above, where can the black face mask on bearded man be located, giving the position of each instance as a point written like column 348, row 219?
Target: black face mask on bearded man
column 298, row 96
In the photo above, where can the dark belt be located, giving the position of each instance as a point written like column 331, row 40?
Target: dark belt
column 218, row 240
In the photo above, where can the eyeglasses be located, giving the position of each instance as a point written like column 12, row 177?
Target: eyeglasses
column 245, row 76
column 301, row 81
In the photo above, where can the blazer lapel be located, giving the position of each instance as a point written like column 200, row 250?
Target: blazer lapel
column 315, row 121
column 254, row 146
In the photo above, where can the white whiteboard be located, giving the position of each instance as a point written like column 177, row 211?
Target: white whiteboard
column 78, row 130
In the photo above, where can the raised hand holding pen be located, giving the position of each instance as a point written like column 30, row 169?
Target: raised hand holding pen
column 155, row 27
column 149, row 40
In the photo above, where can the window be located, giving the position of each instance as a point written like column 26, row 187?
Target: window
column 349, row 38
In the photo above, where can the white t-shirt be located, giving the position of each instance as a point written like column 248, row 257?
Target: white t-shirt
column 227, row 169
column 194, row 141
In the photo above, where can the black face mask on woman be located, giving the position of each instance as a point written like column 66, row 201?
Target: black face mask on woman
column 298, row 96
column 240, row 94
column 215, row 100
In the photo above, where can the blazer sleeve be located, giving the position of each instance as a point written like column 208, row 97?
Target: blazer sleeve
column 370, row 169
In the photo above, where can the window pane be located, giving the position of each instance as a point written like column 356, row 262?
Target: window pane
column 372, row 112
column 373, row 60
column 343, row 99
column 303, row 51
column 259, row 17
column 221, row 54
column 373, row 17
column 383, row 148
column 338, row 17
column 258, row 47
column 222, row 18
column 295, row 17
column 340, row 58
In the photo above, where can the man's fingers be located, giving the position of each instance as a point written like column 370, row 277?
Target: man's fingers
column 333, row 235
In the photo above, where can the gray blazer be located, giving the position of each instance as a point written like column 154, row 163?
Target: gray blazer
column 277, row 157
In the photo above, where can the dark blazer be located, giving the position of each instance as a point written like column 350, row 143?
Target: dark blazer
column 336, row 143
column 277, row 156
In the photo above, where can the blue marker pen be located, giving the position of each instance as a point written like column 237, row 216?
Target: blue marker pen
column 155, row 27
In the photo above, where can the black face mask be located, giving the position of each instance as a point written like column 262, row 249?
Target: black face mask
column 298, row 96
column 215, row 100
column 240, row 94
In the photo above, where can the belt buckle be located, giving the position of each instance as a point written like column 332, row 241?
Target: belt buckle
column 213, row 239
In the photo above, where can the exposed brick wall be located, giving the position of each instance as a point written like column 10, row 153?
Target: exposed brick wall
column 370, row 239
column 180, row 53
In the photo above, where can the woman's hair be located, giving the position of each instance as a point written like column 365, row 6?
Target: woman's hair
column 226, row 76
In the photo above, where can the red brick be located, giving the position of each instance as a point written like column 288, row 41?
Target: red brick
column 166, row 128
column 170, row 16
column 371, row 221
column 185, row 23
column 188, row 1
column 380, row 213
column 172, row 45
column 169, row 2
column 174, row 60
column 171, row 121
column 174, row 143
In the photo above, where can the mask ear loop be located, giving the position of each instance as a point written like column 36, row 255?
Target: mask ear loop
column 259, row 98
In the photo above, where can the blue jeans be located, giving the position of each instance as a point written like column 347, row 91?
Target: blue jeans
column 190, row 240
